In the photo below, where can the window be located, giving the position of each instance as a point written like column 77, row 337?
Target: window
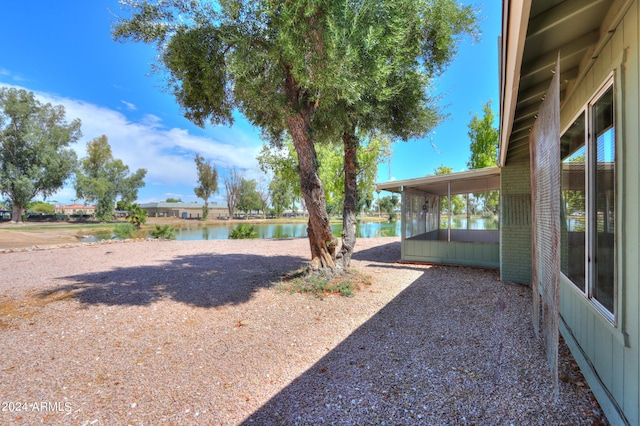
column 588, row 153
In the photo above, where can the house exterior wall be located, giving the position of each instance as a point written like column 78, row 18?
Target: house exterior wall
column 608, row 352
column 193, row 210
column 515, row 223
column 452, row 253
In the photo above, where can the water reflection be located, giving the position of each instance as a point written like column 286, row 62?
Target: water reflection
column 288, row 230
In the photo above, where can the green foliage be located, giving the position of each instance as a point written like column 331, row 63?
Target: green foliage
column 243, row 231
column 41, row 207
column 136, row 215
column 389, row 205
column 34, row 158
column 318, row 70
column 281, row 197
column 484, row 152
column 164, row 232
column 125, row 231
column 458, row 204
column 249, row 196
column 208, row 182
column 282, row 163
column 484, row 140
column 102, row 179
column 173, row 200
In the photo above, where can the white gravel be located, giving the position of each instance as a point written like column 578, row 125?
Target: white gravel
column 195, row 333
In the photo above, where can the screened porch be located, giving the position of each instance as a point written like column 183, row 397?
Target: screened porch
column 450, row 219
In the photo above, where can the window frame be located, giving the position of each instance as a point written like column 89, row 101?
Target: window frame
column 591, row 214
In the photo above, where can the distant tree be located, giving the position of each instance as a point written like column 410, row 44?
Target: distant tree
column 249, row 196
column 208, row 180
column 233, row 186
column 484, row 140
column 41, row 207
column 263, row 191
column 282, row 163
column 103, row 179
column 281, row 196
column 457, row 200
column 173, row 200
column 484, row 152
column 389, row 204
column 34, row 158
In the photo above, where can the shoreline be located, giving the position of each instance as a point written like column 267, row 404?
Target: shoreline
column 40, row 235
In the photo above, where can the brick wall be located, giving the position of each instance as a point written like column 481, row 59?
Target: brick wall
column 515, row 223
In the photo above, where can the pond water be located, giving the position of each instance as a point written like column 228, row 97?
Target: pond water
column 287, row 230
column 299, row 230
column 460, row 222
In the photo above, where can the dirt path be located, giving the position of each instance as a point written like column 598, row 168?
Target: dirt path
column 14, row 237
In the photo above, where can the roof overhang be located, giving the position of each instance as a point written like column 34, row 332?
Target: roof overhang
column 472, row 181
column 534, row 32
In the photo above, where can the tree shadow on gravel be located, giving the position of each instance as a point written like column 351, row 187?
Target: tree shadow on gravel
column 385, row 253
column 455, row 347
column 205, row 281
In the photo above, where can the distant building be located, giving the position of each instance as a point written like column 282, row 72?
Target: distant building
column 184, row 210
column 75, row 209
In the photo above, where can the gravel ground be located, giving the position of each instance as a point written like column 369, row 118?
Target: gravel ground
column 194, row 332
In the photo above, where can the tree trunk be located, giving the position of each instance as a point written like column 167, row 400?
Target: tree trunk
column 300, row 109
column 16, row 214
column 321, row 239
column 350, row 142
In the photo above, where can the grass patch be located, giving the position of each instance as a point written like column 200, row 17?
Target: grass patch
column 126, row 231
column 322, row 284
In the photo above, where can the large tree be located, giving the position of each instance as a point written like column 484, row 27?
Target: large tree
column 284, row 66
column 484, row 139
column 395, row 59
column 103, row 179
column 207, row 182
column 484, row 151
column 34, row 158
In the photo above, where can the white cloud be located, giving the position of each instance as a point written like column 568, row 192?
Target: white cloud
column 129, row 105
column 166, row 153
column 15, row 77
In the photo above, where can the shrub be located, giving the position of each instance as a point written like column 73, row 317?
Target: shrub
column 320, row 284
column 125, row 231
column 243, row 231
column 164, row 232
column 136, row 215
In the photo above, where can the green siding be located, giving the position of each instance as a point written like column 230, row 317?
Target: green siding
column 485, row 255
column 515, row 223
column 607, row 353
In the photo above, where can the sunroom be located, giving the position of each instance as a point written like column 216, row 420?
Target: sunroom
column 449, row 219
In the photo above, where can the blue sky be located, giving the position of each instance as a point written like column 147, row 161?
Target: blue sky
column 63, row 51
